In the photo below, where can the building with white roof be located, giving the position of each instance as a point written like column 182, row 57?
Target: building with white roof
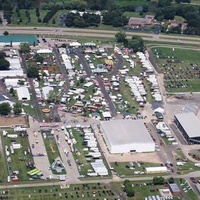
column 123, row 136
column 15, row 69
column 189, row 126
column 45, row 91
column 23, row 94
column 44, row 51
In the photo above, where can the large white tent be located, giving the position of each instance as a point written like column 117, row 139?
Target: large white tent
column 23, row 94
column 123, row 136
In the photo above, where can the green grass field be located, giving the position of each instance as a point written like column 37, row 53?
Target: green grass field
column 34, row 19
column 53, row 152
column 122, row 168
column 18, row 158
column 180, row 68
column 73, row 192
column 132, row 3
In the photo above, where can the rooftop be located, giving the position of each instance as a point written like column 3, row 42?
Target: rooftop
column 120, row 132
column 190, row 123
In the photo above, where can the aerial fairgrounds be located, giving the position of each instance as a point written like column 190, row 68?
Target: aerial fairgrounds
column 96, row 113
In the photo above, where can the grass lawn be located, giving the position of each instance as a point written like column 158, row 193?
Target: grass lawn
column 131, row 14
column 183, row 184
column 34, row 19
column 3, row 167
column 74, row 192
column 81, row 155
column 141, row 190
column 131, row 3
column 188, row 166
column 16, row 164
column 180, row 68
column 126, row 93
column 50, row 141
column 122, row 168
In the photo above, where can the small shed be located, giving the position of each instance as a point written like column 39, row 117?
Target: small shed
column 174, row 189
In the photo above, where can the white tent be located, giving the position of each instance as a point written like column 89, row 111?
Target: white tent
column 44, row 51
column 75, row 44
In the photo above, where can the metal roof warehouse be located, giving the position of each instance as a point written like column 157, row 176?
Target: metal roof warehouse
column 189, row 126
column 123, row 136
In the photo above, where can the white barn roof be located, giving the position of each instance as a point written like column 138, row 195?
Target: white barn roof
column 126, row 135
column 23, row 93
column 44, row 51
column 190, row 124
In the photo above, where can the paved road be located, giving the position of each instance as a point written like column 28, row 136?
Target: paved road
column 99, row 33
column 32, row 88
column 41, row 162
column 106, row 96
column 72, row 171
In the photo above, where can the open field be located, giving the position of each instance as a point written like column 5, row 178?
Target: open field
column 75, row 192
column 183, row 184
column 33, row 21
column 127, row 169
column 131, row 3
column 51, row 148
column 180, row 68
column 19, row 159
column 142, row 189
column 12, row 121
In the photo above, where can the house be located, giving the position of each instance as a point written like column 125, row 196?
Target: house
column 141, row 22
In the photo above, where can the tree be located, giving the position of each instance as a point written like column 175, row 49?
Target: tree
column 53, row 21
column 128, row 188
column 137, row 44
column 158, row 180
column 17, row 109
column 171, row 180
column 5, row 108
column 11, row 90
column 4, row 64
column 25, row 48
column 33, row 72
column 120, row 36
column 2, row 54
column 53, row 97
column 39, row 58
column 5, row 33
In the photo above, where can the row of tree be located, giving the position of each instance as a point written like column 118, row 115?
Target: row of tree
column 86, row 20
column 4, row 64
column 136, row 43
column 5, row 109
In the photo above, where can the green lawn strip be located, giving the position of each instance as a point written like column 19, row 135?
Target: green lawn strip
column 126, row 93
column 131, row 3
column 148, row 90
column 3, row 164
column 34, row 19
column 16, row 164
column 55, row 192
column 122, row 168
column 131, row 14
column 183, row 184
column 188, row 166
column 52, row 155
column 81, row 155
column 141, row 191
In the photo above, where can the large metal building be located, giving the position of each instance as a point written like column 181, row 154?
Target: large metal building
column 123, row 136
column 189, row 126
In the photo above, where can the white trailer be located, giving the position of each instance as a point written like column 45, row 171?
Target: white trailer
column 12, row 135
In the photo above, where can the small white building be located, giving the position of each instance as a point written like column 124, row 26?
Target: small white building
column 44, row 51
column 23, row 94
column 156, row 170
column 45, row 91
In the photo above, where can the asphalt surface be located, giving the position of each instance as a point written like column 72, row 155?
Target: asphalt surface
column 32, row 88
column 99, row 33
